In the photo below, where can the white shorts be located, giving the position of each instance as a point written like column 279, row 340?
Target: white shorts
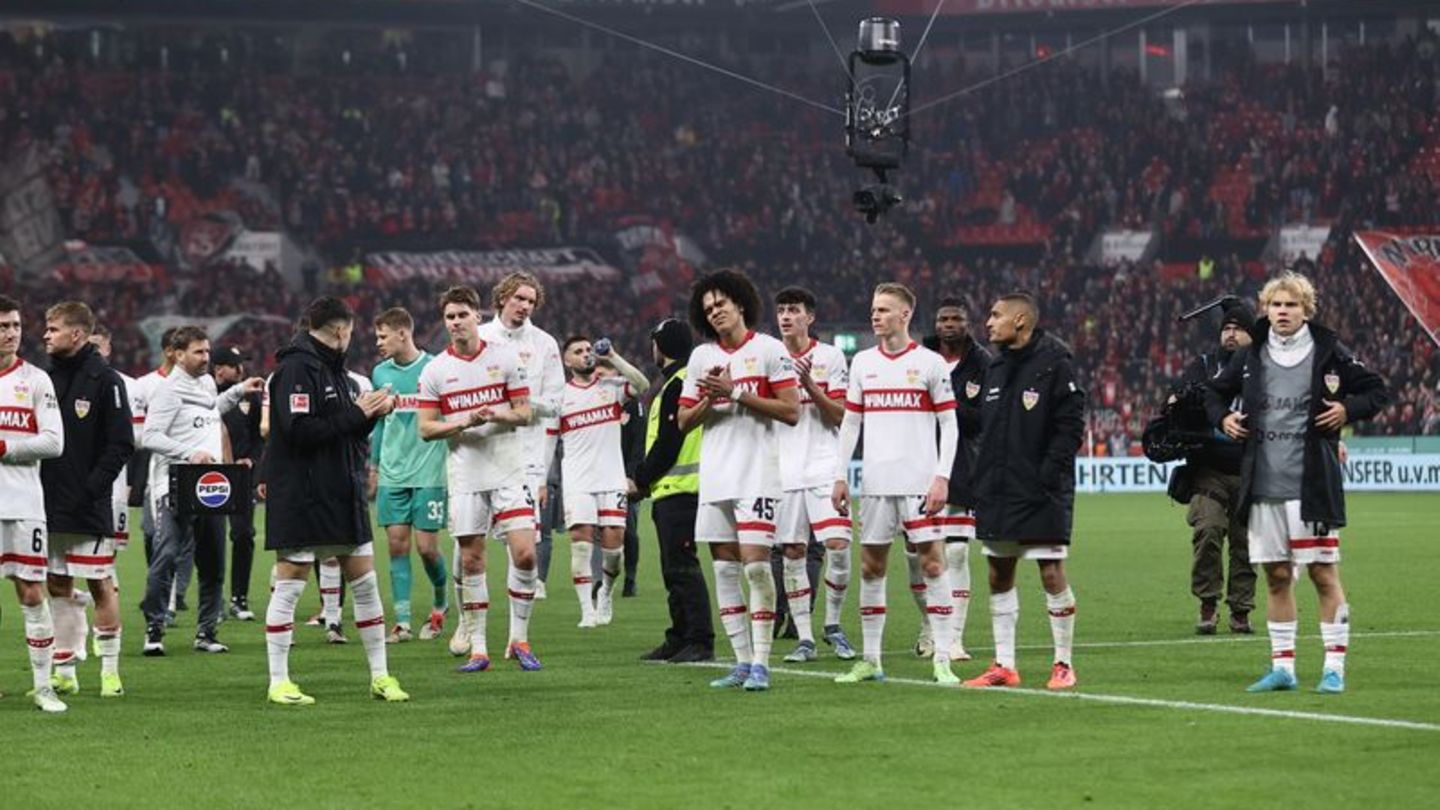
column 493, row 512
column 23, row 550
column 883, row 517
column 1025, row 551
column 83, row 556
column 308, row 556
column 804, row 512
column 957, row 523
column 604, row 509
column 1277, row 534
column 749, row 521
column 535, row 483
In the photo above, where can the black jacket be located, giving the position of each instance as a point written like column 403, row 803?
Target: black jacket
column 968, row 380
column 98, row 441
column 315, row 458
column 243, row 425
column 1032, row 421
column 1322, row 491
column 668, row 440
column 632, row 437
column 1220, row 452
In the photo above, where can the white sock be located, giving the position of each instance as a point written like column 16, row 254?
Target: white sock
column 957, row 560
column 68, row 616
column 40, row 638
column 837, row 580
column 521, row 584
column 580, row 553
column 611, row 560
column 872, row 617
column 475, row 608
column 732, row 608
column 940, row 612
column 1282, row 645
column 1337, row 639
column 797, row 595
column 107, row 640
column 1004, row 615
column 330, row 593
column 917, row 580
column 762, row 610
column 173, row 583
column 280, row 626
column 1062, row 623
column 370, row 621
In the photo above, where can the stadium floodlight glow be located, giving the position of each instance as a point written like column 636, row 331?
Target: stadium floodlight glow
column 877, row 112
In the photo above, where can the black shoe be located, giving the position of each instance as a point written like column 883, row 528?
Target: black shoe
column 207, row 643
column 1209, row 618
column 154, row 642
column 661, row 653
column 693, row 653
column 1240, row 624
column 629, row 589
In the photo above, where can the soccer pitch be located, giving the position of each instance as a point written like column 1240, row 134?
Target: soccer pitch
column 1160, row 717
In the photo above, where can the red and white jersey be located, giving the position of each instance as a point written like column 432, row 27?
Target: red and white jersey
column 120, row 490
column 739, row 449
column 31, row 428
column 540, row 355
column 590, row 417
column 898, row 395
column 489, row 456
column 140, row 393
column 808, row 450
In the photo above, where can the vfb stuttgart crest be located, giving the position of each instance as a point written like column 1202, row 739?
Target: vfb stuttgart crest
column 212, row 489
column 1332, row 382
column 1029, row 398
column 972, row 389
column 82, row 408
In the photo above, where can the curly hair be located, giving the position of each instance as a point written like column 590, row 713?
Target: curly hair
column 735, row 286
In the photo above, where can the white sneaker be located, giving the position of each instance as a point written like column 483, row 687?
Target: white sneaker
column 957, row 651
column 540, row 590
column 587, row 621
column 604, row 606
column 47, row 701
column 925, row 643
column 460, row 641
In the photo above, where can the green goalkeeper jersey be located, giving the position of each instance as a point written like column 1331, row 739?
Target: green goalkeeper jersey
column 405, row 459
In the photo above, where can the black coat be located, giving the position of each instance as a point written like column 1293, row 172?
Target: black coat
column 1219, row 452
column 1032, row 420
column 243, row 424
column 1322, row 486
column 315, row 458
column 98, row 441
column 968, row 381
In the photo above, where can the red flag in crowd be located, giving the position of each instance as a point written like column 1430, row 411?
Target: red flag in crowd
column 1411, row 266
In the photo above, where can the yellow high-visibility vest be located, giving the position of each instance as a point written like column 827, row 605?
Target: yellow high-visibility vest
column 684, row 476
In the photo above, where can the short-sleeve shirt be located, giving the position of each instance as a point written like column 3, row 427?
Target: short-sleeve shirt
column 488, row 456
column 590, row 417
column 808, row 450
column 898, row 396
column 28, row 408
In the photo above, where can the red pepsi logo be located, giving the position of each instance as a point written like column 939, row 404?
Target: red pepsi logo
column 212, row 489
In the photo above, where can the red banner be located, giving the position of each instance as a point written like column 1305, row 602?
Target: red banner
column 960, row 8
column 1411, row 266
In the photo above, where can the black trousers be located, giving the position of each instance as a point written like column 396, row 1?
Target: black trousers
column 242, row 550
column 688, row 597
column 632, row 543
column 205, row 535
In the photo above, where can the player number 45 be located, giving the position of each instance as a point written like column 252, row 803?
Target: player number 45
column 764, row 508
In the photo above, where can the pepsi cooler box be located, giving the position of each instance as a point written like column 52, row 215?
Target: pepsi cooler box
column 209, row 489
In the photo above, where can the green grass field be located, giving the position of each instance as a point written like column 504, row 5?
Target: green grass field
column 1161, row 717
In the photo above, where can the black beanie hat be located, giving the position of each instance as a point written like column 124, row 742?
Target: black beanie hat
column 1238, row 313
column 673, row 339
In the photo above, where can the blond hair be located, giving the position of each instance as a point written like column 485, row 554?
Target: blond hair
column 508, row 285
column 897, row 290
column 1293, row 283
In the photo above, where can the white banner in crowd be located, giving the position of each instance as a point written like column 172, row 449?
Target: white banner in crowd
column 487, row 266
column 1302, row 240
column 1390, row 472
column 1118, row 245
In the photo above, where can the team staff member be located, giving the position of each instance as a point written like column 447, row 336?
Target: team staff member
column 1032, row 419
column 315, row 472
column 1298, row 387
column 247, row 446
column 670, row 475
column 1213, row 512
column 78, row 488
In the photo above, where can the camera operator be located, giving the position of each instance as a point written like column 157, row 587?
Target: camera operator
column 1213, row 471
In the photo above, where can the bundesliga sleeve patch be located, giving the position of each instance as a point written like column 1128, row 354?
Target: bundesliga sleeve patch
column 300, row 403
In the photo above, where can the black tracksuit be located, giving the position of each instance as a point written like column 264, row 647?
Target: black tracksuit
column 243, row 425
column 1322, row 491
column 632, row 443
column 1032, row 422
column 968, row 380
column 98, row 441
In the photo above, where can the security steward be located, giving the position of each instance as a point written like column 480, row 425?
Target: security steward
column 1213, row 471
column 78, row 487
column 670, row 474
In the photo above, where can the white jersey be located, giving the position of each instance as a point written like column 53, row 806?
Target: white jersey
column 360, row 381
column 140, row 393
column 898, row 395
column 808, row 451
column 183, row 419
column 32, row 430
column 489, row 456
column 590, row 417
column 120, row 490
column 739, row 449
column 540, row 355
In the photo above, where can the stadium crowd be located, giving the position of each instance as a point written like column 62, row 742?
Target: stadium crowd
column 1007, row 188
